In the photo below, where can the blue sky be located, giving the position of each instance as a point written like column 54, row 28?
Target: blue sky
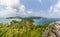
column 36, row 5
column 42, row 8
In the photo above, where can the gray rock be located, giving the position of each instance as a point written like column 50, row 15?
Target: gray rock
column 53, row 30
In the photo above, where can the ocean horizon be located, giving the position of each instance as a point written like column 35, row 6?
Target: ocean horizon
column 36, row 21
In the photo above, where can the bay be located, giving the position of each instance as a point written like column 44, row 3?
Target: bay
column 36, row 21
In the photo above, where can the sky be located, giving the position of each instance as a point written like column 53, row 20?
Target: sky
column 24, row 8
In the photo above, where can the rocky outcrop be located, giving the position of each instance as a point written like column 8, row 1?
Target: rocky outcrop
column 53, row 30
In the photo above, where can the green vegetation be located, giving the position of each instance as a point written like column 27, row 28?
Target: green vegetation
column 24, row 28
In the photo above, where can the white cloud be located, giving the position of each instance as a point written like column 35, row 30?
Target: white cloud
column 9, row 2
column 29, row 12
column 10, row 11
column 22, row 10
column 7, row 12
column 55, row 10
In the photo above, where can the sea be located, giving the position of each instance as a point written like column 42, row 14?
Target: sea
column 36, row 21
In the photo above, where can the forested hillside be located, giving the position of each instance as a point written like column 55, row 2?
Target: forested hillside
column 24, row 28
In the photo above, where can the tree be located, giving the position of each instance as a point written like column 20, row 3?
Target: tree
column 27, row 23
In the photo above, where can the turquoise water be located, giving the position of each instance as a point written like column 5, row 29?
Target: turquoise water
column 36, row 21
column 43, row 21
column 8, row 20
